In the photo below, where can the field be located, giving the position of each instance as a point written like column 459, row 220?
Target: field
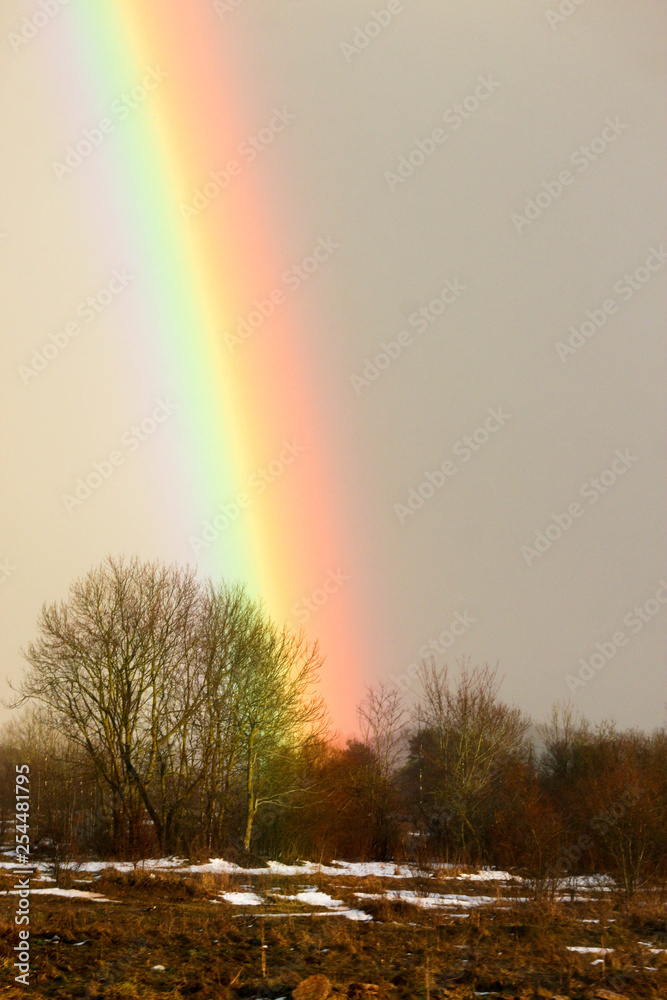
column 171, row 929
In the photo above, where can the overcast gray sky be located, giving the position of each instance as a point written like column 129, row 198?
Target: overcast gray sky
column 494, row 175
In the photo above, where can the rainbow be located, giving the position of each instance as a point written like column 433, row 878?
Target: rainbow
column 205, row 254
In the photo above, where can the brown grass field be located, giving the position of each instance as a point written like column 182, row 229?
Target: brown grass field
column 511, row 947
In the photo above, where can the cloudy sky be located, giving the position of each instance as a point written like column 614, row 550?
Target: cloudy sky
column 487, row 334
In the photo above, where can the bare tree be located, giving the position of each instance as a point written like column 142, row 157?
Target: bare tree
column 382, row 719
column 175, row 689
column 471, row 736
column 277, row 713
column 230, row 621
column 566, row 736
column 63, row 798
column 117, row 663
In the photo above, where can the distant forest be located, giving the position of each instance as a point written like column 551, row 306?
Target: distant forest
column 160, row 714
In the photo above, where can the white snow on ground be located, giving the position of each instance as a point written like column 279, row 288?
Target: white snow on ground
column 654, row 951
column 151, row 864
column 95, row 867
column 431, row 900
column 310, row 897
column 350, row 869
column 488, row 875
column 354, row 914
column 360, row 869
column 242, row 898
column 71, row 893
column 350, row 914
column 583, row 882
column 582, row 950
column 380, row 869
column 575, row 890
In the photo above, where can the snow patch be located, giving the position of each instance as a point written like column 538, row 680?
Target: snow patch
column 242, row 898
column 488, row 875
column 96, row 897
column 582, row 950
column 431, row 900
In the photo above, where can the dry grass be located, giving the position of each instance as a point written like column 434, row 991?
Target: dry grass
column 507, row 949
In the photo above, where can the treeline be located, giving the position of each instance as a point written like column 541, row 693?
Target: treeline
column 161, row 714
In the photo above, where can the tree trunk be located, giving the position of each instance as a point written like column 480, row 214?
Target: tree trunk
column 252, row 809
column 155, row 819
column 251, row 798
